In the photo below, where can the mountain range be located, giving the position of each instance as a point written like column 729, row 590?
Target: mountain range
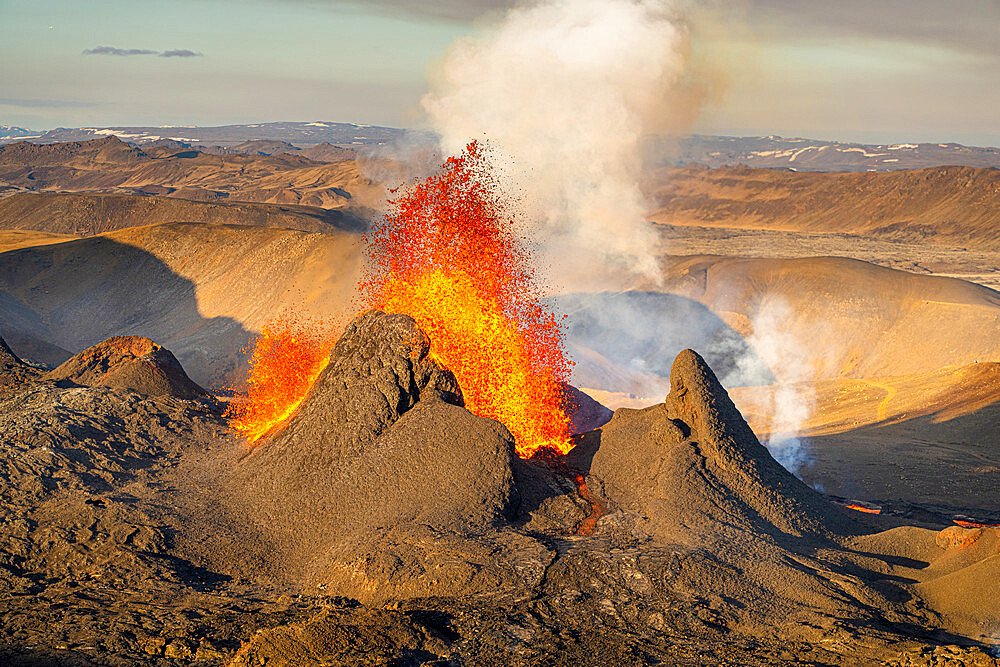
column 770, row 152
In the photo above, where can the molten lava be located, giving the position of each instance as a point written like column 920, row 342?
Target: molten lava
column 975, row 524
column 866, row 508
column 285, row 360
column 448, row 256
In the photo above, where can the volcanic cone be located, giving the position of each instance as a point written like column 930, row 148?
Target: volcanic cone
column 129, row 362
column 382, row 477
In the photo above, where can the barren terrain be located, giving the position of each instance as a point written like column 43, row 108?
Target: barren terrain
column 385, row 524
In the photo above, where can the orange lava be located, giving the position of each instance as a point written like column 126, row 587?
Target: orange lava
column 447, row 255
column 975, row 524
column 589, row 524
column 864, row 508
column 285, row 360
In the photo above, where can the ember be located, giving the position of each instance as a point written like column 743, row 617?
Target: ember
column 864, row 507
column 448, row 256
column 285, row 360
column 964, row 523
column 589, row 524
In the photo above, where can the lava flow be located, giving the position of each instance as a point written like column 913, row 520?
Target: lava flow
column 448, row 256
column 285, row 360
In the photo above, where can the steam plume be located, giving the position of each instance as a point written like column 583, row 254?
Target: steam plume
column 790, row 402
column 563, row 91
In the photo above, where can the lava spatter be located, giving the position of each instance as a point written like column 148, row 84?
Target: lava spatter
column 447, row 254
column 285, row 358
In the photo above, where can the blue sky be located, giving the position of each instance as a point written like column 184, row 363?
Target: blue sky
column 867, row 70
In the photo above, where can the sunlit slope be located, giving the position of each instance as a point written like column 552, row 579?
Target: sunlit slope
column 111, row 165
column 26, row 238
column 949, row 205
column 848, row 318
column 927, row 438
column 199, row 288
column 89, row 213
column 941, row 397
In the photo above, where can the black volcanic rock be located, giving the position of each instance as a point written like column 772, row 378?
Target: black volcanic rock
column 129, row 362
column 13, row 371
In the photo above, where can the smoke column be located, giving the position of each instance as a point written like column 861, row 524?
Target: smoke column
column 790, row 402
column 563, row 91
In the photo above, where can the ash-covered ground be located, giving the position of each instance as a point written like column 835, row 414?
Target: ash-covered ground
column 385, row 524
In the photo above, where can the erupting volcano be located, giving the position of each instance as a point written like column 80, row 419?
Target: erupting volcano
column 447, row 254
column 285, row 360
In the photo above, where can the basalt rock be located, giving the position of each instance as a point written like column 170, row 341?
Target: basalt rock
column 692, row 459
column 128, row 362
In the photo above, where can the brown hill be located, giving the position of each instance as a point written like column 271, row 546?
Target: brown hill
column 128, row 362
column 110, row 165
column 86, row 214
column 17, row 239
column 944, row 205
column 847, row 318
column 199, row 289
column 383, row 488
column 380, row 457
column 889, row 438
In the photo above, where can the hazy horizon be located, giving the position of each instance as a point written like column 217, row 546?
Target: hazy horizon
column 899, row 71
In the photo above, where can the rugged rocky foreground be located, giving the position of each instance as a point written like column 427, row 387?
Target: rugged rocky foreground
column 385, row 524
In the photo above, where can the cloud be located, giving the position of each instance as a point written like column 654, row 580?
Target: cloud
column 14, row 102
column 179, row 53
column 961, row 26
column 115, row 51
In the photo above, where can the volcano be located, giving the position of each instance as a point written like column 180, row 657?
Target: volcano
column 383, row 522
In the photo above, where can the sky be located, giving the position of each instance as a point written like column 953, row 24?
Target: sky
column 853, row 70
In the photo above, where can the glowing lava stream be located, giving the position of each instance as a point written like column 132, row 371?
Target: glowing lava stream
column 472, row 337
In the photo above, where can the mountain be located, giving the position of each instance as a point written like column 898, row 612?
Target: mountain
column 299, row 133
column 772, row 152
column 12, row 133
column 87, row 213
column 111, row 165
column 941, row 205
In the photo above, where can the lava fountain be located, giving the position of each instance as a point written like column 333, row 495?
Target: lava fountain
column 447, row 254
column 285, row 360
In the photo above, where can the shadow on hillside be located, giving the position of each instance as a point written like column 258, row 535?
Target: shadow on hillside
column 953, row 465
column 75, row 294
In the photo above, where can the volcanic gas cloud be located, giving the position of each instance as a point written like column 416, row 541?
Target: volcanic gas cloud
column 447, row 255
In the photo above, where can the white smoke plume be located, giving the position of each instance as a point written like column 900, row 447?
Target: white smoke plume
column 563, row 91
column 790, row 401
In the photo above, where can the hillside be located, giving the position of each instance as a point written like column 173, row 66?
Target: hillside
column 843, row 317
column 928, row 437
column 201, row 288
column 940, row 205
column 109, row 164
column 87, row 214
